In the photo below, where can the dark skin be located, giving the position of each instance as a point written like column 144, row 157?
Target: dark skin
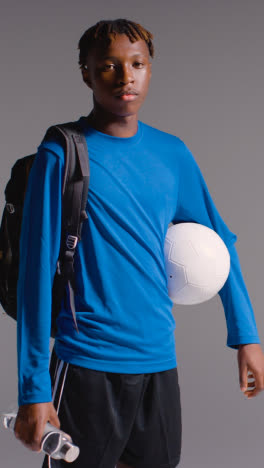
column 129, row 67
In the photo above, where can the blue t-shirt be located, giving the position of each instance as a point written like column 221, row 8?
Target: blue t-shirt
column 138, row 185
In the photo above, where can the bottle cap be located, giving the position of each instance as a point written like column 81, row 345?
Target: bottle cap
column 69, row 452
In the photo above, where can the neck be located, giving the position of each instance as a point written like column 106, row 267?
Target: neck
column 114, row 125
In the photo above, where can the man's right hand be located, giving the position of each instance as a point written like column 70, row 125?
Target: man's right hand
column 30, row 422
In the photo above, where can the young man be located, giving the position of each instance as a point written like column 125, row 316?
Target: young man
column 115, row 382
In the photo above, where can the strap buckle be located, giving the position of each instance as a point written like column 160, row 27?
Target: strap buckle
column 71, row 242
column 10, row 208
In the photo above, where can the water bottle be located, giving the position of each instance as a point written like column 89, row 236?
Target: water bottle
column 54, row 443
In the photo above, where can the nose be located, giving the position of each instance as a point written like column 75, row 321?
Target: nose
column 125, row 75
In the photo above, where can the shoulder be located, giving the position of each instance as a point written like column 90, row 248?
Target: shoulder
column 53, row 142
column 170, row 142
column 160, row 134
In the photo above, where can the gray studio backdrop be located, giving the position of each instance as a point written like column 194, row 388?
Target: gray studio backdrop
column 207, row 88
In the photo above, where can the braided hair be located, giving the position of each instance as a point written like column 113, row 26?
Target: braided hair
column 102, row 33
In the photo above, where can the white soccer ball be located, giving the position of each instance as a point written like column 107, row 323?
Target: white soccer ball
column 197, row 263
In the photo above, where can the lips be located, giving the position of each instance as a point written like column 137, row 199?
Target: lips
column 127, row 97
column 127, row 92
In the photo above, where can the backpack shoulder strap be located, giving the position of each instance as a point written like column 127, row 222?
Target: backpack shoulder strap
column 76, row 180
column 76, row 174
column 74, row 199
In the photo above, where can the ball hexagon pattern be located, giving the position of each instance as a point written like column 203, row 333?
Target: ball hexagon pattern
column 197, row 263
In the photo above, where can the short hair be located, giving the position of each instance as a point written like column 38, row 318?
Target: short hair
column 101, row 34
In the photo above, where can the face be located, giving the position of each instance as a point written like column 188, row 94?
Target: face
column 122, row 67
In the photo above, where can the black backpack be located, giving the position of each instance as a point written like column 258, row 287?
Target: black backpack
column 74, row 199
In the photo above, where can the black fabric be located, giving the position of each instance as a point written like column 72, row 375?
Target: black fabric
column 134, row 418
column 10, row 233
column 75, row 191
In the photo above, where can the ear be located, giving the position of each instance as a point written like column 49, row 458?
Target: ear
column 86, row 77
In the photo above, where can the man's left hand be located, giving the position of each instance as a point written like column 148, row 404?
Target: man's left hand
column 251, row 366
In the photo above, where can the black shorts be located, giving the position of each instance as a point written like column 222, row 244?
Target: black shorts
column 134, row 418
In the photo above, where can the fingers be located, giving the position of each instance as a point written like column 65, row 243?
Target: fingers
column 31, row 437
column 250, row 379
column 251, row 393
column 30, row 423
column 251, row 358
column 254, row 386
column 243, row 378
column 246, row 384
column 34, row 442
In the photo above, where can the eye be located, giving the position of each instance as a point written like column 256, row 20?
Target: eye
column 139, row 64
column 108, row 66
